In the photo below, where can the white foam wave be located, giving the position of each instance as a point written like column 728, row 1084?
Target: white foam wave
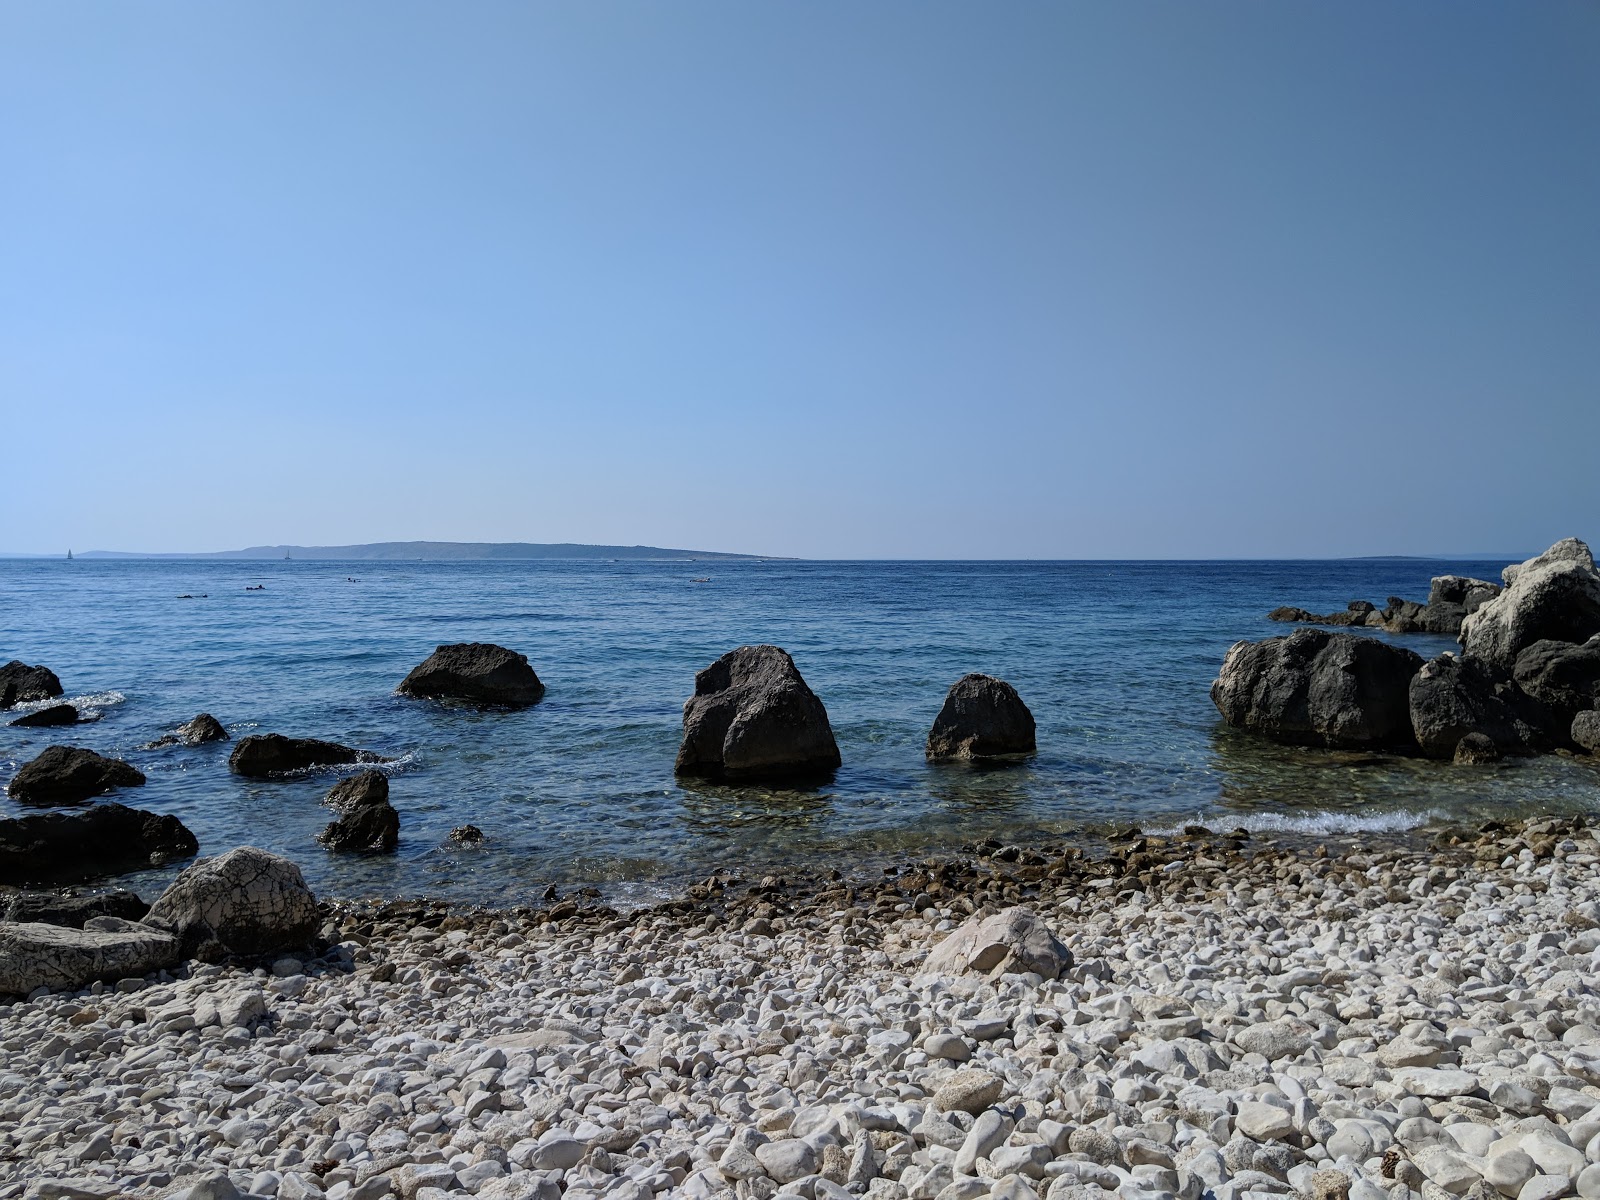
column 1312, row 823
column 89, row 703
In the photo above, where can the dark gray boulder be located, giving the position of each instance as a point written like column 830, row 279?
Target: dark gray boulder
column 752, row 717
column 982, row 717
column 22, row 684
column 1315, row 688
column 1452, row 697
column 46, row 718
column 1585, row 732
column 70, row 775
column 105, row 839
column 476, row 672
column 1476, row 749
column 202, row 729
column 264, row 755
column 367, row 822
column 1563, row 676
column 59, row 908
column 244, row 902
column 466, row 835
column 1554, row 597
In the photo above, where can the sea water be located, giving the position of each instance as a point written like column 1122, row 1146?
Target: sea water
column 1114, row 658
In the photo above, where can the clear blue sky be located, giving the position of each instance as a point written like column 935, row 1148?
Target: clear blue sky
column 840, row 280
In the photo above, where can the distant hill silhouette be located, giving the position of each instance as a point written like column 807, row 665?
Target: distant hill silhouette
column 445, row 552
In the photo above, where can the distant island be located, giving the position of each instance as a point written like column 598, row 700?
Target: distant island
column 450, row 552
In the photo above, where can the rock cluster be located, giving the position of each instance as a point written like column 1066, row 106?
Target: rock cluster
column 1377, row 1021
column 264, row 755
column 1451, row 599
column 70, row 775
column 475, row 672
column 104, row 839
column 752, row 717
column 367, row 822
column 982, row 717
column 22, row 684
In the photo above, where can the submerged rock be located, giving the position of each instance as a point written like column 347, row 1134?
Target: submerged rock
column 105, row 839
column 367, row 821
column 264, row 755
column 70, row 775
column 477, row 672
column 466, row 835
column 246, row 901
column 1554, row 597
column 1012, row 941
column 44, row 718
column 1319, row 689
column 753, row 717
column 22, row 684
column 982, row 717
column 1452, row 697
column 56, row 908
column 202, row 729
column 34, row 955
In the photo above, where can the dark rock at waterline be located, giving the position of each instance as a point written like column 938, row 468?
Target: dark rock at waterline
column 982, row 717
column 466, row 835
column 367, row 821
column 105, row 839
column 247, row 901
column 1562, row 676
column 202, row 729
column 57, row 908
column 1452, row 697
column 44, row 718
column 70, row 775
column 1356, row 613
column 476, row 672
column 752, row 717
column 1554, row 597
column 22, row 684
column 1451, row 598
column 1475, row 749
column 1586, row 731
column 1317, row 688
column 264, row 755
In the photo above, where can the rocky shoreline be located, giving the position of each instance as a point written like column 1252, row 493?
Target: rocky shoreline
column 1231, row 1016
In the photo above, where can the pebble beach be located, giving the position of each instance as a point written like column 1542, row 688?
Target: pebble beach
column 1233, row 1017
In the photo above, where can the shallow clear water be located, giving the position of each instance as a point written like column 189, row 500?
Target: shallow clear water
column 1115, row 660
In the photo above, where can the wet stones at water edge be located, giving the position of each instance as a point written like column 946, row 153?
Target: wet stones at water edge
column 475, row 673
column 264, row 755
column 244, row 902
column 367, row 822
column 70, row 775
column 104, row 839
column 203, row 728
column 982, row 717
column 1318, row 688
column 45, row 718
column 22, row 684
column 752, row 717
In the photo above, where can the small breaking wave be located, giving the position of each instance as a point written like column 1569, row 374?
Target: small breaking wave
column 88, row 704
column 1313, row 823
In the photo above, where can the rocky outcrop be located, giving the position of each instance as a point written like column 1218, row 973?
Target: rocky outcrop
column 475, row 672
column 1451, row 598
column 1319, row 689
column 1451, row 698
column 1012, row 941
column 70, row 775
column 1554, row 597
column 57, row 908
column 202, row 729
column 34, row 955
column 1563, row 676
column 244, row 902
column 22, row 684
column 982, row 717
column 264, row 755
column 367, row 821
column 105, row 839
column 1356, row 613
column 1586, row 731
column 46, row 718
column 753, row 717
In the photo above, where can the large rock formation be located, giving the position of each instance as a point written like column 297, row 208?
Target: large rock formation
column 1319, row 689
column 1562, row 676
column 22, row 684
column 367, row 821
column 203, row 728
column 245, row 902
column 1012, row 941
column 1452, row 697
column 1554, row 597
column 753, row 717
column 105, row 839
column 264, row 755
column 57, row 908
column 47, row 718
column 70, row 775
column 34, row 955
column 982, row 717
column 477, row 672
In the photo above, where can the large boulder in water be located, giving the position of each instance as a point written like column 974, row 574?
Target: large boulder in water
column 105, row 839
column 982, row 717
column 477, row 672
column 1452, row 697
column 1315, row 688
column 46, row 718
column 1554, row 597
column 753, row 717
column 246, row 902
column 34, row 955
column 367, row 821
column 202, row 729
column 1564, row 677
column 70, row 775
column 22, row 684
column 264, row 755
